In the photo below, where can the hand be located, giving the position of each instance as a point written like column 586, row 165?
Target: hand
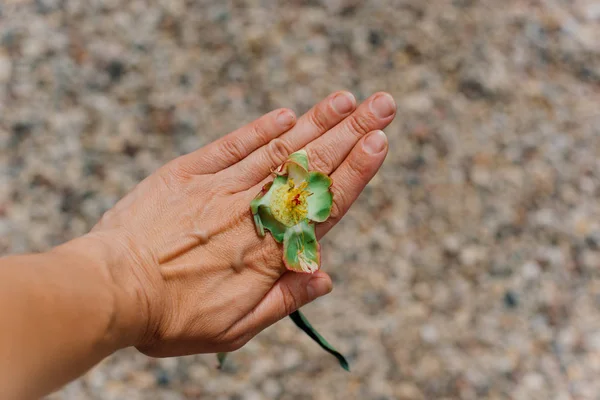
column 193, row 275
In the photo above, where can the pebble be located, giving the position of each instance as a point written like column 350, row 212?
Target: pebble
column 271, row 388
column 511, row 300
column 471, row 255
column 5, row 67
column 531, row 270
column 429, row 334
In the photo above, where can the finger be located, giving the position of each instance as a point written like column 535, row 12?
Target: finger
column 292, row 291
column 327, row 152
column 322, row 117
column 351, row 177
column 235, row 146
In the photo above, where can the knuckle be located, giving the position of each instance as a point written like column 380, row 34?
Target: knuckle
column 239, row 341
column 233, row 149
column 261, row 131
column 177, row 179
column 107, row 218
column 320, row 160
column 354, row 169
column 232, row 338
column 338, row 206
column 278, row 151
column 290, row 300
column 173, row 176
column 359, row 125
column 267, row 260
column 318, row 118
column 326, row 226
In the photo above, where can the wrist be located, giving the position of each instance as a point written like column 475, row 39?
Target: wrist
column 106, row 259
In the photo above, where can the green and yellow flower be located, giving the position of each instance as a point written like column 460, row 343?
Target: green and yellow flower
column 290, row 206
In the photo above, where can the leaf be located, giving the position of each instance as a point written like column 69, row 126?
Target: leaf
column 263, row 219
column 321, row 199
column 221, row 357
column 295, row 167
column 300, row 157
column 301, row 250
column 302, row 323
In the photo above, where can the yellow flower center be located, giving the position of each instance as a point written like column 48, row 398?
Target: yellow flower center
column 288, row 203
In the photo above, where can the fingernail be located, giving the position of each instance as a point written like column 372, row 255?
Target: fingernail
column 375, row 142
column 343, row 103
column 285, row 118
column 318, row 287
column 383, row 105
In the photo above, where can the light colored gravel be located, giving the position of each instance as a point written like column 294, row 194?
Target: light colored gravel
column 469, row 268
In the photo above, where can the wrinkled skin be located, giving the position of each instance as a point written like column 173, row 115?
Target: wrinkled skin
column 195, row 275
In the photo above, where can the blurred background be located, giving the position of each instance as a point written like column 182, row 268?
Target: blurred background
column 470, row 266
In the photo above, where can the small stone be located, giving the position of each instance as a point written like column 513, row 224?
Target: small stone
column 418, row 103
column 507, row 363
column 416, row 312
column 375, row 38
column 252, row 395
column 531, row 270
column 511, row 299
column 143, row 379
column 115, row 70
column 162, row 378
column 471, row 255
column 291, row 358
column 593, row 240
column 481, row 176
column 429, row 334
column 591, row 260
column 428, row 367
column 5, row 67
column 452, row 244
column 271, row 388
column 408, row 391
column 534, row 381
column 192, row 391
column 47, row 6
column 544, row 218
column 168, row 364
column 551, row 255
column 21, row 130
column 588, row 10
column 422, row 291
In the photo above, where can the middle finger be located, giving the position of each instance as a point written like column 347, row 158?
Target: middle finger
column 319, row 120
column 327, row 152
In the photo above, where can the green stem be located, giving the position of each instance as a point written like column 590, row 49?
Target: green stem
column 302, row 323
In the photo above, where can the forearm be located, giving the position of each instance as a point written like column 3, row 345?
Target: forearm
column 60, row 313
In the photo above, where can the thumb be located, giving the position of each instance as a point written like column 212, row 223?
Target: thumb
column 292, row 291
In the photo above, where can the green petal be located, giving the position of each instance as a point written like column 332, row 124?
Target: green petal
column 221, row 358
column 276, row 228
column 293, row 170
column 300, row 157
column 321, row 199
column 260, row 197
column 262, row 213
column 296, row 172
column 302, row 323
column 301, row 249
column 295, row 167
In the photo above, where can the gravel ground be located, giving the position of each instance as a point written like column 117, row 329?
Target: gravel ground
column 469, row 268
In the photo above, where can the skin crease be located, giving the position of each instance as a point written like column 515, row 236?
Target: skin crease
column 176, row 267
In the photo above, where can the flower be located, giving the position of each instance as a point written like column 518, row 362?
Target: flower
column 289, row 206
